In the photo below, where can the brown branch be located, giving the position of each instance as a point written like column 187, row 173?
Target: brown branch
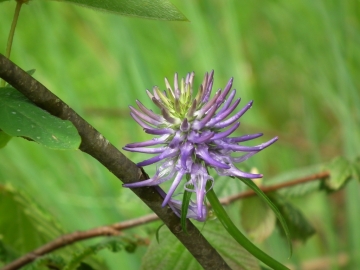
column 71, row 238
column 268, row 189
column 94, row 144
column 115, row 229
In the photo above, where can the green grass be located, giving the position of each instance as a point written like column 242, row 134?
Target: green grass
column 298, row 60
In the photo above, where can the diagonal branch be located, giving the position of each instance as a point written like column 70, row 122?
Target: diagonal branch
column 94, row 144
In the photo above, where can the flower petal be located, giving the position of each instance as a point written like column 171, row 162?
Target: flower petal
column 145, row 150
column 174, row 185
column 151, row 142
column 243, row 138
column 167, row 153
column 234, row 117
column 203, row 152
column 226, row 133
column 159, row 131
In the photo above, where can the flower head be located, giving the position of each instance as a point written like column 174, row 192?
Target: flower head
column 190, row 138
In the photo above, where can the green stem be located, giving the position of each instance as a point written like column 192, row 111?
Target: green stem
column 12, row 31
column 238, row 236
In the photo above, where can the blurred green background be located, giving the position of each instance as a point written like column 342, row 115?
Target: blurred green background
column 298, row 60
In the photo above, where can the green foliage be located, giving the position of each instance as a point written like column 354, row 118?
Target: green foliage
column 21, row 118
column 47, row 262
column 356, row 169
column 4, row 139
column 273, row 207
column 237, row 235
column 306, row 92
column 171, row 254
column 257, row 219
column 7, row 254
column 340, row 170
column 184, row 208
column 114, row 244
column 149, row 9
column 299, row 226
column 27, row 225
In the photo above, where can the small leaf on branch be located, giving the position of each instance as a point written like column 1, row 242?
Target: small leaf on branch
column 299, row 227
column 45, row 262
column 19, row 117
column 268, row 201
column 257, row 219
column 149, row 9
column 114, row 244
column 340, row 171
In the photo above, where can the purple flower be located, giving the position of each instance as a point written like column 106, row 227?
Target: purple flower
column 191, row 138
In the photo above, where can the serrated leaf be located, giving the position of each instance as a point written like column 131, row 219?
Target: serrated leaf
column 114, row 244
column 27, row 225
column 257, row 219
column 340, row 171
column 4, row 139
column 299, row 227
column 19, row 117
column 149, row 9
column 171, row 254
column 45, row 262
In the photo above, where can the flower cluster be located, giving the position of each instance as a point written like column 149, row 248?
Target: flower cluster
column 191, row 138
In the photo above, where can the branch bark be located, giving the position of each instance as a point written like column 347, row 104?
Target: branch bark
column 94, row 144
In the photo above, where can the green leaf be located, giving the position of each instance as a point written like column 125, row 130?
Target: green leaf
column 257, row 219
column 114, row 244
column 299, row 227
column 4, row 139
column 184, row 209
column 149, row 9
column 356, row 168
column 266, row 199
column 3, row 0
column 50, row 261
column 171, row 254
column 237, row 235
column 24, row 225
column 7, row 254
column 340, row 171
column 20, row 117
